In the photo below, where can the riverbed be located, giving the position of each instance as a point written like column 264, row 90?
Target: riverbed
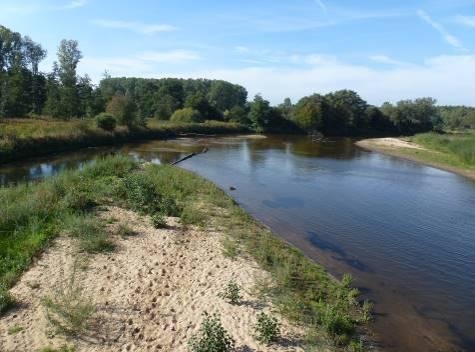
column 406, row 232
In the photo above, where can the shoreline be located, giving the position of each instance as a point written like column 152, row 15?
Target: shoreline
column 17, row 149
column 312, row 306
column 408, row 151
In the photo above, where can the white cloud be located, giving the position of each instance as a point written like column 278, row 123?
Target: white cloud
column 468, row 21
column 138, row 27
column 75, row 4
column 242, row 49
column 173, row 56
column 383, row 59
column 141, row 65
column 446, row 78
column 449, row 38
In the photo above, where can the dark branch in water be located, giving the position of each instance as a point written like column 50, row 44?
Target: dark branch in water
column 189, row 156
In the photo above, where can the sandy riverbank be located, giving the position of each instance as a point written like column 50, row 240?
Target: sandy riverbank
column 410, row 151
column 150, row 293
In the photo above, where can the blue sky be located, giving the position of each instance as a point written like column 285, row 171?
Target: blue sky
column 385, row 50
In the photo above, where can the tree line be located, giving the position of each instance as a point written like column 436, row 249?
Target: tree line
column 62, row 93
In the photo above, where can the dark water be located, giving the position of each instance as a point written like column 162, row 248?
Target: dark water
column 406, row 232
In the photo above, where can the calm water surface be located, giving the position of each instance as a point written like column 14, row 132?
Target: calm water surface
column 406, row 232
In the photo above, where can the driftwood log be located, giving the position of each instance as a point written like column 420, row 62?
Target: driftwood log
column 189, row 156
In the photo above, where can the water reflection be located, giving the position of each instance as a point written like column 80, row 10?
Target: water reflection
column 405, row 231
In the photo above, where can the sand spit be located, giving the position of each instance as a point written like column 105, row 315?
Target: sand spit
column 150, row 293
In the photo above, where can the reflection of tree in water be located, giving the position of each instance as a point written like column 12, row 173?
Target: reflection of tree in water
column 338, row 148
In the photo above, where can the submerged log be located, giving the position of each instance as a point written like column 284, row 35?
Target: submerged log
column 189, row 156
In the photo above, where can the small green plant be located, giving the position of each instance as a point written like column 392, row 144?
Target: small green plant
column 232, row 292
column 91, row 233
column 211, row 337
column 15, row 329
column 356, row 346
column 230, row 247
column 69, row 311
column 367, row 308
column 106, row 121
column 6, row 299
column 192, row 216
column 159, row 221
column 267, row 329
column 124, row 230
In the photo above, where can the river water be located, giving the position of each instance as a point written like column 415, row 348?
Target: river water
column 406, row 232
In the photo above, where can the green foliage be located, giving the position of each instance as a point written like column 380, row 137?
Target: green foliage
column 90, row 231
column 145, row 195
column 230, row 247
column 187, row 115
column 123, row 109
column 192, row 215
column 459, row 146
column 266, row 329
column 124, row 230
column 232, row 292
column 69, row 311
column 63, row 348
column 15, row 329
column 310, row 112
column 159, row 221
column 106, row 121
column 6, row 299
column 211, row 337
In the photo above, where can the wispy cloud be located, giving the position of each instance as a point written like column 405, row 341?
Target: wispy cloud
column 173, row 56
column 75, row 4
column 468, row 21
column 384, row 59
column 322, row 5
column 242, row 49
column 449, row 38
column 137, row 27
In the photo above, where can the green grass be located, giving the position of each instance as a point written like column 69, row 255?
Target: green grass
column 455, row 149
column 34, row 214
column 20, row 138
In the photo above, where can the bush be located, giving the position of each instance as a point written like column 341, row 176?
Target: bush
column 211, row 337
column 6, row 299
column 267, row 329
column 69, row 311
column 187, row 115
column 145, row 197
column 106, row 121
column 159, row 221
column 232, row 292
column 123, row 108
column 90, row 232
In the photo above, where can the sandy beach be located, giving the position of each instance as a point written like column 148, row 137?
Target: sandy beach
column 150, row 293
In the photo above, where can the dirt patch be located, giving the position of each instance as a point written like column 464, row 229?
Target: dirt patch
column 150, row 293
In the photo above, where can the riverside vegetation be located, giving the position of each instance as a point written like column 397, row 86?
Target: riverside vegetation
column 32, row 215
column 81, row 114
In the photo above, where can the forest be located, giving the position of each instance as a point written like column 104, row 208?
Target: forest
column 63, row 94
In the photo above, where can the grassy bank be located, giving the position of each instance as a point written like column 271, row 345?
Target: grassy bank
column 453, row 152
column 458, row 148
column 33, row 215
column 23, row 138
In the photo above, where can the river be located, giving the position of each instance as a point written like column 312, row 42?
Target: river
column 406, row 232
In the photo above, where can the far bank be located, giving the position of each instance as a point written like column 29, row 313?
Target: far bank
column 427, row 154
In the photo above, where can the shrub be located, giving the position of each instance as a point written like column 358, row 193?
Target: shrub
column 187, row 115
column 125, row 231
column 145, row 197
column 232, row 292
column 6, row 299
column 15, row 329
column 211, row 337
column 90, row 232
column 106, row 121
column 266, row 329
column 123, row 108
column 159, row 221
column 69, row 311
